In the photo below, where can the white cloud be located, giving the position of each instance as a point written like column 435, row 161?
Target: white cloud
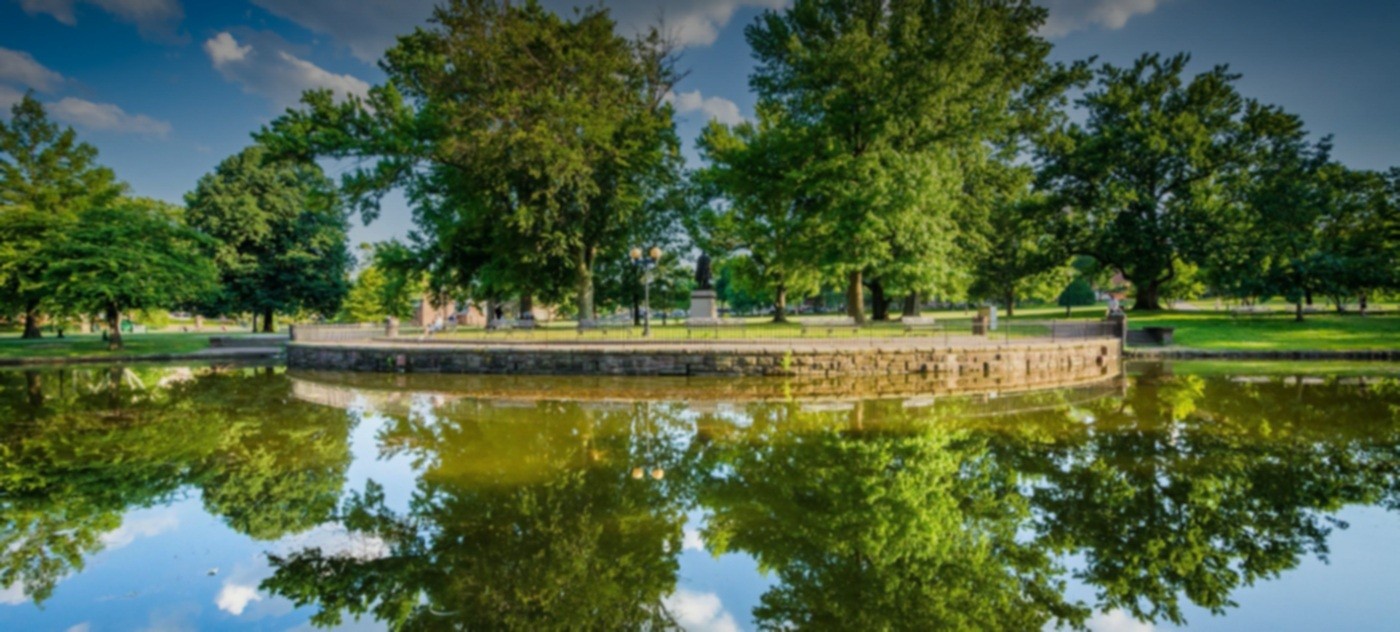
column 717, row 108
column 155, row 19
column 1116, row 621
column 234, row 598
column 106, row 117
column 223, row 49
column 368, row 27
column 81, row 627
column 700, row 612
column 1067, row 16
column 688, row 22
column 264, row 66
column 140, row 525
column 21, row 68
column 8, row 98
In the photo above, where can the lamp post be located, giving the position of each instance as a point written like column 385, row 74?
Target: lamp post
column 647, row 263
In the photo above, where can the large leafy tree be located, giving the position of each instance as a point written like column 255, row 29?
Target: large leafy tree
column 901, row 100
column 1020, row 258
column 529, row 144
column 47, row 177
column 1143, row 179
column 129, row 257
column 754, row 205
column 283, row 235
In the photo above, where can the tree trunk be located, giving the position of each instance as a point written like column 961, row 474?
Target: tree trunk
column 31, row 323
column 1010, row 304
column 527, row 306
column 268, row 326
column 855, row 298
column 911, row 305
column 780, row 304
column 583, row 272
column 114, row 327
column 636, row 310
column 879, row 305
column 1308, row 296
column 34, row 386
column 255, row 323
column 1298, row 313
column 1148, row 297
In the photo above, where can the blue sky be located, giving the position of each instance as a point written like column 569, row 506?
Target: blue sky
column 167, row 88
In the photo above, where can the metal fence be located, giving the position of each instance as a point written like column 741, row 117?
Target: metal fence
column 336, row 333
column 962, row 330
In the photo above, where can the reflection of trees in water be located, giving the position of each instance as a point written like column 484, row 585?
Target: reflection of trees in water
column 872, row 522
column 869, row 515
column 549, row 516
column 1197, row 487
column 80, row 448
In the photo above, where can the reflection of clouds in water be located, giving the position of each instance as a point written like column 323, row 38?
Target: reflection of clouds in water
column 13, row 595
column 178, row 618
column 1117, row 621
column 233, row 598
column 336, row 541
column 140, row 524
column 700, row 612
column 81, row 627
column 691, row 540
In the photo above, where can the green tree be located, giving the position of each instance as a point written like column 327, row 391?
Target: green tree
column 1021, row 259
column 1079, row 293
column 129, row 257
column 765, row 216
column 900, row 103
column 1142, row 177
column 47, row 177
column 282, row 233
column 529, row 143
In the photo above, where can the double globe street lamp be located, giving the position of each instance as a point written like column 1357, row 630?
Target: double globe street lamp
column 647, row 263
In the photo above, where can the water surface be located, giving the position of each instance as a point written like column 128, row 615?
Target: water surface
column 235, row 498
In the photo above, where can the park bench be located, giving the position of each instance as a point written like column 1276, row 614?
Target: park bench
column 605, row 329
column 712, row 327
column 919, row 323
column 830, row 326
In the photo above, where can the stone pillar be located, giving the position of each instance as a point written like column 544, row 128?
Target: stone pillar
column 1118, row 322
column 981, row 323
column 391, row 327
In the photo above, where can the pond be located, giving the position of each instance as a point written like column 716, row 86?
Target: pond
column 1213, row 496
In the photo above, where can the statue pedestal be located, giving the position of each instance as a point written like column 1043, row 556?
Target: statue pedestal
column 702, row 308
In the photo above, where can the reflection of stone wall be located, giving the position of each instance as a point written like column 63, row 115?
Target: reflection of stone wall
column 989, row 367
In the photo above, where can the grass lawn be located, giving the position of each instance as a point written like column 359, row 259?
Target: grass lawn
column 1194, row 329
column 92, row 345
column 1215, row 330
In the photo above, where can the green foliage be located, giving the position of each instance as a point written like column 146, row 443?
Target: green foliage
column 1079, row 293
column 83, row 447
column 1142, row 176
column 282, row 235
column 47, row 177
column 529, row 144
column 1021, row 260
column 112, row 261
column 765, row 218
column 900, row 106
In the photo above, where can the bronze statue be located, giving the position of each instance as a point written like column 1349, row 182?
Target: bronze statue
column 702, row 272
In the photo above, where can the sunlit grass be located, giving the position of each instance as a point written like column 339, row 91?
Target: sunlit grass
column 92, row 345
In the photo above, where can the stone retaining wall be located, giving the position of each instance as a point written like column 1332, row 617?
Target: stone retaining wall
column 1027, row 364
